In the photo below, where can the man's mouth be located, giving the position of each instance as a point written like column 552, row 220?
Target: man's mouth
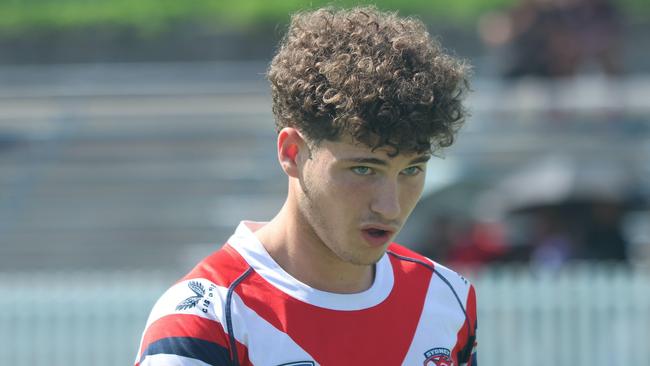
column 376, row 236
column 376, row 233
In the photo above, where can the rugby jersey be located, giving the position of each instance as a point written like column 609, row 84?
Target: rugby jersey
column 239, row 307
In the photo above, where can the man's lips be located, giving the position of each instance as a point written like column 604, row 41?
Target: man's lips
column 381, row 227
column 377, row 235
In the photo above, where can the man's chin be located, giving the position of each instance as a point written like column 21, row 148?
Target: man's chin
column 368, row 260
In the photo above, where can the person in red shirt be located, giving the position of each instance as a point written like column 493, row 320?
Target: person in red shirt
column 361, row 99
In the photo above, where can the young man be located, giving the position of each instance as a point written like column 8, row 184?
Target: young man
column 361, row 99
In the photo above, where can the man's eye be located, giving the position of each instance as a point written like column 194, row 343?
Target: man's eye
column 412, row 170
column 362, row 170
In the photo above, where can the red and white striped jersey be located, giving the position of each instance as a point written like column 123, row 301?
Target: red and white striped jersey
column 239, row 307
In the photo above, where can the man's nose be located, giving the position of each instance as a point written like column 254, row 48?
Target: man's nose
column 386, row 200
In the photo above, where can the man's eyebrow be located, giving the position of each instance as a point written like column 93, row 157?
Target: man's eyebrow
column 376, row 161
column 420, row 159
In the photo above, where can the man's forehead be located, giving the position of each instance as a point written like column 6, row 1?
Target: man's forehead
column 348, row 149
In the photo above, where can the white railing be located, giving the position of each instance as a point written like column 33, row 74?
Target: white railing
column 74, row 318
column 584, row 315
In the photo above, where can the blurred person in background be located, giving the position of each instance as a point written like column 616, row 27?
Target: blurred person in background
column 604, row 239
column 361, row 100
column 479, row 245
column 556, row 38
column 571, row 231
column 553, row 240
column 464, row 243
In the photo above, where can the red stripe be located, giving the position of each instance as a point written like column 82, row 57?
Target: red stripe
column 471, row 314
column 347, row 337
column 221, row 267
column 463, row 333
column 188, row 325
column 471, row 307
column 403, row 251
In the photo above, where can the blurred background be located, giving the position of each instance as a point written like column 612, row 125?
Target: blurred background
column 135, row 135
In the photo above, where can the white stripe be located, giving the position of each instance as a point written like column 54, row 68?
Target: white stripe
column 171, row 360
column 441, row 318
column 180, row 292
column 247, row 245
column 266, row 344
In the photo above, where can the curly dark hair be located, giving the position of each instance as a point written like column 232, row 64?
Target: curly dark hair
column 377, row 76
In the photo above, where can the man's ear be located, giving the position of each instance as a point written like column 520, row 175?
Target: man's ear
column 291, row 148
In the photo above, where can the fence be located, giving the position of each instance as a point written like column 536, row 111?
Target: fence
column 74, row 318
column 583, row 315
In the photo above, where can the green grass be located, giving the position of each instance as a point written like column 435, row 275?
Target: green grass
column 156, row 15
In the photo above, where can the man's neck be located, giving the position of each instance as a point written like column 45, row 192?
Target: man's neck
column 299, row 251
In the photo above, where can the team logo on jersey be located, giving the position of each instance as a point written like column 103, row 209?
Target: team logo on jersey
column 191, row 301
column 438, row 357
column 299, row 363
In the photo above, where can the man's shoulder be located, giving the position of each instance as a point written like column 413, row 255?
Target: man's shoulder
column 188, row 317
column 202, row 291
column 222, row 267
column 450, row 277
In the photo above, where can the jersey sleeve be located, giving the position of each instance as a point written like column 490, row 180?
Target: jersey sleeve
column 186, row 327
column 468, row 355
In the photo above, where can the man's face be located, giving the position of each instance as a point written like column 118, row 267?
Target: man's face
column 356, row 200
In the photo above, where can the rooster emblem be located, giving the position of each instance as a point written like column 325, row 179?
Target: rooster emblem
column 438, row 357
